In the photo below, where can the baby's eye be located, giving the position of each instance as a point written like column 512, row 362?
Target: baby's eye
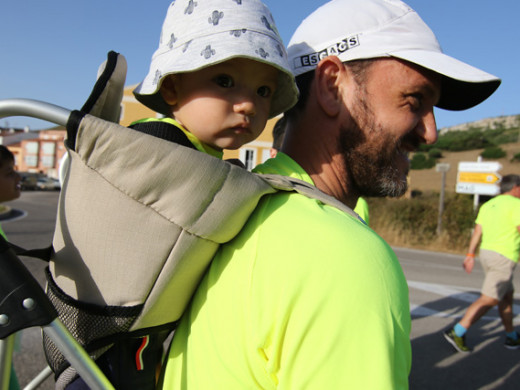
column 224, row 81
column 264, row 91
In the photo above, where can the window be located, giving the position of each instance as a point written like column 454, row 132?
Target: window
column 266, row 154
column 48, row 148
column 31, row 147
column 47, row 161
column 248, row 157
column 31, row 161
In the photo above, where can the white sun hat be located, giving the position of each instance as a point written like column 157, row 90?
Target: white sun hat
column 363, row 29
column 197, row 34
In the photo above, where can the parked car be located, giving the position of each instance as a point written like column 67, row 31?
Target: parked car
column 28, row 183
column 48, row 184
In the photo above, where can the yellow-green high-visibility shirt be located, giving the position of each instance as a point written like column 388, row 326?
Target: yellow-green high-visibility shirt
column 500, row 218
column 362, row 210
column 304, row 297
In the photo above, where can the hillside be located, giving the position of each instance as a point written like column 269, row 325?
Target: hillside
column 506, row 121
column 430, row 180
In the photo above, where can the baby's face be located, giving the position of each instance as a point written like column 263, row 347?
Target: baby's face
column 225, row 105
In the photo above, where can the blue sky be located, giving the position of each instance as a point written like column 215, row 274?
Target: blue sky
column 51, row 50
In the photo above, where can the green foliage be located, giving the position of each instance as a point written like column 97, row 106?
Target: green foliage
column 462, row 140
column 516, row 157
column 425, row 147
column 435, row 153
column 505, row 136
column 421, row 161
column 493, row 152
column 458, row 217
column 416, row 215
column 475, row 138
column 415, row 219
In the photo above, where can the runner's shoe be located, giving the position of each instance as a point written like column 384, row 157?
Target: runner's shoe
column 459, row 343
column 512, row 343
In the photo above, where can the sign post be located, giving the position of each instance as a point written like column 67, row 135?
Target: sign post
column 441, row 167
column 478, row 178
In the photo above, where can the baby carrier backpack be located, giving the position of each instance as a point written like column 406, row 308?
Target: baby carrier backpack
column 139, row 219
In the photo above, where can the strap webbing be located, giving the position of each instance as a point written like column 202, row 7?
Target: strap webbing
column 163, row 130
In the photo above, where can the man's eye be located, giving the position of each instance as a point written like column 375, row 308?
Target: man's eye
column 264, row 91
column 416, row 101
column 224, row 81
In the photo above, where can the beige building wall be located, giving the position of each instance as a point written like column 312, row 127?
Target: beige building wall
column 132, row 110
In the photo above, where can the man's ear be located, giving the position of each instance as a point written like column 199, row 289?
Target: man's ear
column 328, row 76
column 168, row 90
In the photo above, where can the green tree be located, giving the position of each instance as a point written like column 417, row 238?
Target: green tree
column 493, row 152
column 421, row 161
column 435, row 153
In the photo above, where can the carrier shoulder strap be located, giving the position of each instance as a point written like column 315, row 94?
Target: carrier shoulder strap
column 285, row 183
column 163, row 130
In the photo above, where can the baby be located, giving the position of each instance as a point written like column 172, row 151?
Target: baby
column 219, row 73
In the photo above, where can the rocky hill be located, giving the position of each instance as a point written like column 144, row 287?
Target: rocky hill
column 499, row 122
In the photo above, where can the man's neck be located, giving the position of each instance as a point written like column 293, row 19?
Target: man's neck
column 325, row 167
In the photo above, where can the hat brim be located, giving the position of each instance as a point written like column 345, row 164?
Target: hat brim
column 223, row 49
column 463, row 86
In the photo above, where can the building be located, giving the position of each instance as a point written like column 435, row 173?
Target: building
column 35, row 151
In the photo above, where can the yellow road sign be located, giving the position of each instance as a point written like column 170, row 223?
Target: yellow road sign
column 478, row 177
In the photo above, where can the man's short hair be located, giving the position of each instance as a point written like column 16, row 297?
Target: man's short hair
column 509, row 182
column 279, row 133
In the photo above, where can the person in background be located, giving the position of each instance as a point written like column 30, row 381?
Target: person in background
column 10, row 180
column 307, row 296
column 10, row 189
column 497, row 230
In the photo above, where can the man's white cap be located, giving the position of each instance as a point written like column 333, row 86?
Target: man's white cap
column 363, row 29
column 197, row 34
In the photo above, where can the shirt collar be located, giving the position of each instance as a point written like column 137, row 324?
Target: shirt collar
column 283, row 165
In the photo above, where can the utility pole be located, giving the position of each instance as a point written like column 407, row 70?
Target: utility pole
column 443, row 168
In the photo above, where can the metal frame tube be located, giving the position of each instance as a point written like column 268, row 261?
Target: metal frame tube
column 6, row 360
column 77, row 356
column 35, row 109
column 39, row 379
column 56, row 331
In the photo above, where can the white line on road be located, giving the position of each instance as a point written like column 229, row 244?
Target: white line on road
column 452, row 292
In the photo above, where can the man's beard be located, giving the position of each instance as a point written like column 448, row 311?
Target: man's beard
column 372, row 156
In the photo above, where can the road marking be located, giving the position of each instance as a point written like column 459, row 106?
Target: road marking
column 457, row 293
column 422, row 265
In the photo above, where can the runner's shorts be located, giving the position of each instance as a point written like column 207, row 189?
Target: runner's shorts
column 499, row 274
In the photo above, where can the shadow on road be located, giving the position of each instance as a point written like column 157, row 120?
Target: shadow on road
column 436, row 365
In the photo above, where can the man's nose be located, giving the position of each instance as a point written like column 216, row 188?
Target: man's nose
column 429, row 128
